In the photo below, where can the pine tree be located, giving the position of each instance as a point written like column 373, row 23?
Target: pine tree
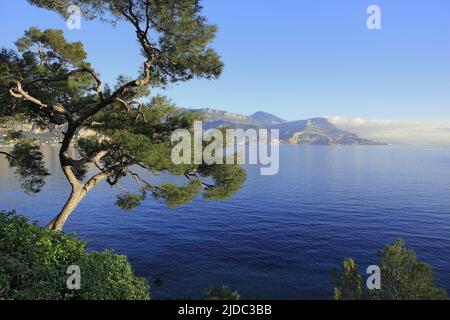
column 49, row 81
column 402, row 278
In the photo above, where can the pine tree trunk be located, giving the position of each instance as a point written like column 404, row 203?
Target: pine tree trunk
column 79, row 191
column 74, row 200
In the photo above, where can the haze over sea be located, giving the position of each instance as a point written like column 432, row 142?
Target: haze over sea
column 280, row 235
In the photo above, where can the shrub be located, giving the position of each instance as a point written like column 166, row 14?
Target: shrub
column 222, row 293
column 34, row 261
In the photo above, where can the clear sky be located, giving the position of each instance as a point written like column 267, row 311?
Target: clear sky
column 294, row 58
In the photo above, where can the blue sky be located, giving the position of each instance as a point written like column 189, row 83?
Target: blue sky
column 294, row 58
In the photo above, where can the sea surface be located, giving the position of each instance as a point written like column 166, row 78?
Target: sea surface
column 280, row 235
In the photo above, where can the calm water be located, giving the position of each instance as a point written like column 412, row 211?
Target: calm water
column 280, row 236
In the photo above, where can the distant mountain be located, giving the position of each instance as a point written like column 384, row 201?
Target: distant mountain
column 217, row 118
column 218, row 115
column 266, row 118
column 317, row 131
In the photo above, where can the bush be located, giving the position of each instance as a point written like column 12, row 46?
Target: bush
column 34, row 261
column 222, row 293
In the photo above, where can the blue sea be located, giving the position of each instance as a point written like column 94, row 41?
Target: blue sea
column 280, row 235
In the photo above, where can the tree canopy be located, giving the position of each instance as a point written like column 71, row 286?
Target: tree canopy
column 49, row 81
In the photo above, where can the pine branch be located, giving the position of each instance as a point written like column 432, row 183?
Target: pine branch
column 7, row 155
column 18, row 92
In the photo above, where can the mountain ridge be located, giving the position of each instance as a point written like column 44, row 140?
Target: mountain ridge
column 264, row 117
column 314, row 131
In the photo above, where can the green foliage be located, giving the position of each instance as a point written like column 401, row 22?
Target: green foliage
column 43, row 62
column 110, row 276
column 33, row 264
column 222, row 293
column 175, row 195
column 11, row 67
column 181, row 33
column 51, row 45
column 228, row 179
column 129, row 201
column 402, row 278
column 29, row 164
column 348, row 282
